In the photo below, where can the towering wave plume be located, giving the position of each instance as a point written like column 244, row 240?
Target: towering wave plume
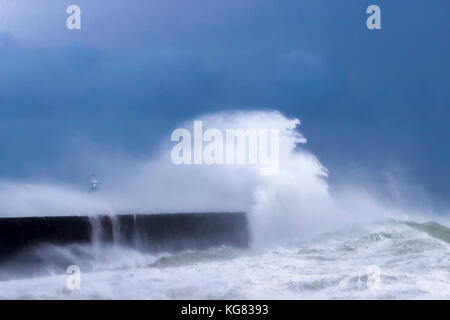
column 291, row 203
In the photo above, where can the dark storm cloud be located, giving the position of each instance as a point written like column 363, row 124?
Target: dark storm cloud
column 370, row 101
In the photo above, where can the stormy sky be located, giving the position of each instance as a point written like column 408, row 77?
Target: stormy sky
column 373, row 103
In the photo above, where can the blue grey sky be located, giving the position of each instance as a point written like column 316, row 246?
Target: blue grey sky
column 371, row 102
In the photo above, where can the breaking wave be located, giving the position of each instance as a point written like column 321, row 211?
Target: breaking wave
column 307, row 242
column 295, row 202
column 412, row 258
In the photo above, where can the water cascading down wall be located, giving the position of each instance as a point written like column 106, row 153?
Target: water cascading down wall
column 144, row 232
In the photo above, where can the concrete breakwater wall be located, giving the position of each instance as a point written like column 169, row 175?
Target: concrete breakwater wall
column 146, row 232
